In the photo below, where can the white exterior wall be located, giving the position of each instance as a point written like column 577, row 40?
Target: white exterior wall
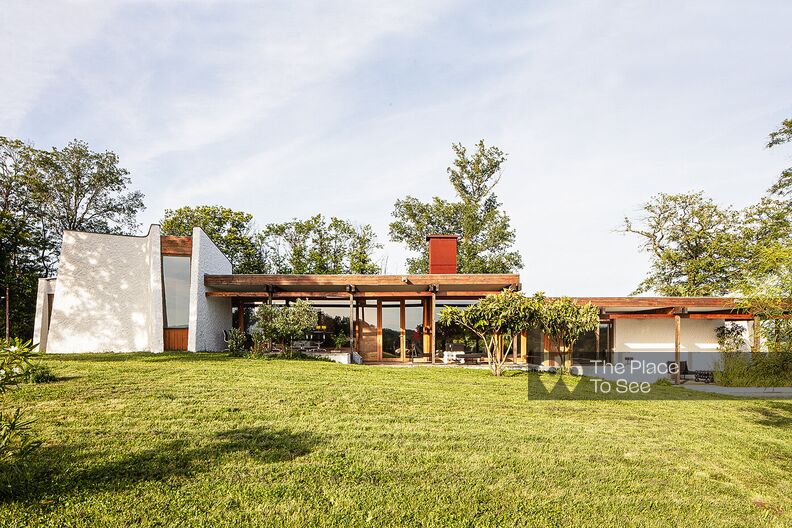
column 652, row 340
column 109, row 294
column 209, row 316
column 41, row 326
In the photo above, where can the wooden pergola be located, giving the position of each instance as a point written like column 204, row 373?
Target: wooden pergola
column 359, row 290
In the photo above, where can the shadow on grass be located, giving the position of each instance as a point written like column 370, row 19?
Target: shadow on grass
column 62, row 470
column 117, row 357
column 775, row 414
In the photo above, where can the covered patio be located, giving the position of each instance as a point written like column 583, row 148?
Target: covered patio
column 391, row 318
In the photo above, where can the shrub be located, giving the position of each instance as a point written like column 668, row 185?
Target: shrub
column 281, row 324
column 236, row 342
column 39, row 374
column 340, row 340
column 16, row 442
column 762, row 369
column 259, row 348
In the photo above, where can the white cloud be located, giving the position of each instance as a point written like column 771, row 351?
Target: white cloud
column 36, row 39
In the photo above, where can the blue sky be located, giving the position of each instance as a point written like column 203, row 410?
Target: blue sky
column 291, row 108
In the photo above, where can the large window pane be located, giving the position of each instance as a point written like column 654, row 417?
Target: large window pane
column 391, row 329
column 176, row 279
column 333, row 322
column 413, row 325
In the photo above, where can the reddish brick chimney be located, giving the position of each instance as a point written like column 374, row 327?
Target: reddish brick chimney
column 442, row 253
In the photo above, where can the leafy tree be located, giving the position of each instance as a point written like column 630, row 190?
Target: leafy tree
column 24, row 251
column 81, row 190
column 282, row 323
column 485, row 244
column 767, row 292
column 317, row 246
column 782, row 187
column 564, row 321
column 693, row 243
column 497, row 320
column 41, row 194
column 231, row 231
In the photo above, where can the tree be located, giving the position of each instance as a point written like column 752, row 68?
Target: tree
column 564, row 321
column 497, row 320
column 24, row 251
column 317, row 246
column 282, row 323
column 231, row 231
column 81, row 190
column 782, row 187
column 693, row 244
column 486, row 235
column 41, row 194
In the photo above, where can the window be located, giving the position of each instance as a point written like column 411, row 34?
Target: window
column 176, row 286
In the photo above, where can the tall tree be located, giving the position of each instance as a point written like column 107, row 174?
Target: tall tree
column 41, row 194
column 486, row 237
column 693, row 244
column 315, row 245
column 81, row 190
column 23, row 250
column 782, row 187
column 231, row 230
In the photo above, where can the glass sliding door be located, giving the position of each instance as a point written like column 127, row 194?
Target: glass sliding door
column 367, row 330
column 413, row 328
column 391, row 330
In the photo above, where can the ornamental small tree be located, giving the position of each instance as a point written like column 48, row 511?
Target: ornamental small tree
column 281, row 324
column 497, row 320
column 564, row 321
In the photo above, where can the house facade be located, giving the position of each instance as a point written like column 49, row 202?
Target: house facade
column 155, row 293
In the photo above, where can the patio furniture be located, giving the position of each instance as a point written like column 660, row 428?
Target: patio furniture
column 471, row 357
column 707, row 376
column 452, row 352
column 308, row 346
column 683, row 369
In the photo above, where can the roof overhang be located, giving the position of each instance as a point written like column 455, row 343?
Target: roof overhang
column 455, row 284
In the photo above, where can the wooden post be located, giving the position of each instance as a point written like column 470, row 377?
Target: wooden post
column 597, row 341
column 241, row 318
column 677, row 346
column 352, row 322
column 379, row 330
column 426, row 339
column 433, row 335
column 757, row 335
column 524, row 346
column 403, row 331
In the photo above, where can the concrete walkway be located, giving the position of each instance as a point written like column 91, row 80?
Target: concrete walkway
column 747, row 392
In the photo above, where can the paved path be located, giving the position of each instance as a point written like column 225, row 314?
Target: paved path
column 749, row 392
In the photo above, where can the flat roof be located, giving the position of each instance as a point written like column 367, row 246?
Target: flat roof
column 452, row 282
column 456, row 285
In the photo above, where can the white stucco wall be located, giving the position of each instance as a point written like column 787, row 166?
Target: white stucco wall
column 46, row 287
column 109, row 294
column 653, row 340
column 209, row 316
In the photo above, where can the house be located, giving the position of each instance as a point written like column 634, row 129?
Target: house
column 154, row 293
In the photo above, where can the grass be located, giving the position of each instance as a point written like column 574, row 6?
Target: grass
column 209, row 440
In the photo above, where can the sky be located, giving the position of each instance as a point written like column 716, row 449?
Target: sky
column 287, row 109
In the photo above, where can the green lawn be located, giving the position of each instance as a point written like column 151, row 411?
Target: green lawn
column 208, row 440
